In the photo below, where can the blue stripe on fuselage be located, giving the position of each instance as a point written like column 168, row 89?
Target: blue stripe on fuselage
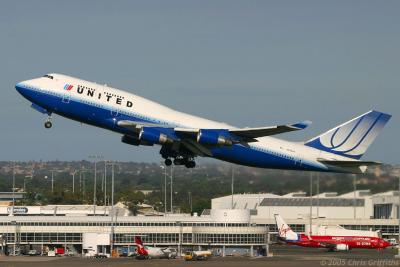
column 102, row 116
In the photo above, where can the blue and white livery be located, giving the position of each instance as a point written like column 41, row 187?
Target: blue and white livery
column 183, row 137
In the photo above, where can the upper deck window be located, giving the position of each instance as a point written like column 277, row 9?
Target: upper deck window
column 48, row 76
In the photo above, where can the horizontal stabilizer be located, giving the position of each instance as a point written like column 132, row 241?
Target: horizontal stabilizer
column 349, row 163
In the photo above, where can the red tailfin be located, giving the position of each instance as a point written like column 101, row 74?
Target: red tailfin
column 140, row 248
column 138, row 240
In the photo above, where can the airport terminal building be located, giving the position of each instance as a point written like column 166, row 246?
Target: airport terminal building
column 223, row 231
column 245, row 229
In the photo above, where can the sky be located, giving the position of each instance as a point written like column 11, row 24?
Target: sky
column 247, row 63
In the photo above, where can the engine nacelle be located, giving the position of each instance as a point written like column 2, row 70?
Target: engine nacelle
column 131, row 140
column 212, row 137
column 341, row 247
column 152, row 135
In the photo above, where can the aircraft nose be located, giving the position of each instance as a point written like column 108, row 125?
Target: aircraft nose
column 20, row 87
column 384, row 244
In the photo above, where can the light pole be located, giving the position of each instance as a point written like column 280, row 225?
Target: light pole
column 105, row 182
column 95, row 157
column 13, row 189
column 318, row 195
column 171, row 188
column 311, row 202
column 398, row 215
column 52, row 180
column 83, row 182
column 164, row 167
column 80, row 182
column 355, row 195
column 28, row 176
column 94, row 187
column 112, row 207
column 232, row 184
column 190, row 202
column 73, row 181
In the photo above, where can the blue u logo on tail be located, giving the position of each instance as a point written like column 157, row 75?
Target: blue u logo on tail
column 351, row 139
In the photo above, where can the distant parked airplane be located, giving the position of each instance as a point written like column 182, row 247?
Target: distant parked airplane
column 183, row 137
column 342, row 240
column 145, row 252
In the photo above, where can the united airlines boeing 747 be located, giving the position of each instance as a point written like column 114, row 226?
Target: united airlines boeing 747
column 183, row 137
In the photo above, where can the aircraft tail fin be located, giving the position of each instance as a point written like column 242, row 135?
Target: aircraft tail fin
column 284, row 230
column 351, row 139
column 138, row 240
column 140, row 248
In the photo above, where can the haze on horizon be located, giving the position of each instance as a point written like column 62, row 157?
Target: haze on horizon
column 246, row 63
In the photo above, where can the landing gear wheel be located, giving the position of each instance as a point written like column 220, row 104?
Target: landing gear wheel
column 48, row 124
column 178, row 161
column 190, row 164
column 168, row 162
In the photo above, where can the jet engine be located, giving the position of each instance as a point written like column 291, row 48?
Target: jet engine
column 342, row 247
column 212, row 137
column 153, row 135
column 131, row 140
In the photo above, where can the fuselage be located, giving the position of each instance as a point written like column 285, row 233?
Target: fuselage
column 103, row 106
column 349, row 242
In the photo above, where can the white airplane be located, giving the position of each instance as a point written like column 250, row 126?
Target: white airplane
column 183, row 137
column 145, row 252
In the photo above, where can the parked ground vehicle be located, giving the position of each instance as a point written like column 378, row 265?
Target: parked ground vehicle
column 33, row 252
column 197, row 255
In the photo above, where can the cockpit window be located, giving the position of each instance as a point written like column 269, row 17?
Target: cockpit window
column 48, row 76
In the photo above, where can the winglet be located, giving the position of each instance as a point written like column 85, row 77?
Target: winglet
column 301, row 125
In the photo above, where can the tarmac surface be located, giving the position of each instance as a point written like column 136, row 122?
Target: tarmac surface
column 282, row 256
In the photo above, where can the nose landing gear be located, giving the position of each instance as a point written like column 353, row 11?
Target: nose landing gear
column 48, row 124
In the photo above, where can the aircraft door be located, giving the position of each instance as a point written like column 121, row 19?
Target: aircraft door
column 114, row 112
column 297, row 160
column 66, row 97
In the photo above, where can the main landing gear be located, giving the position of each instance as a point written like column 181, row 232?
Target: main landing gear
column 188, row 162
column 48, row 124
column 177, row 156
column 168, row 162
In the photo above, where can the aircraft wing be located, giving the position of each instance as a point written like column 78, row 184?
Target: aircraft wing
column 200, row 141
column 250, row 134
column 246, row 134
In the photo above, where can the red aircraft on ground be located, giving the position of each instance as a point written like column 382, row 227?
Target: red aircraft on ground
column 342, row 240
